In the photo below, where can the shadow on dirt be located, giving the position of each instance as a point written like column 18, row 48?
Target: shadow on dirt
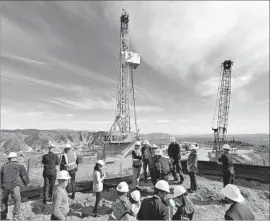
column 81, row 211
column 241, row 182
column 39, row 208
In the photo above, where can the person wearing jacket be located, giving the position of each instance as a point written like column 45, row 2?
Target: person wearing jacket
column 69, row 162
column 98, row 178
column 175, row 156
column 160, row 167
column 156, row 208
column 49, row 161
column 136, row 164
column 60, row 203
column 11, row 173
column 146, row 155
column 135, row 199
column 238, row 210
column 192, row 167
column 181, row 207
column 122, row 209
column 227, row 166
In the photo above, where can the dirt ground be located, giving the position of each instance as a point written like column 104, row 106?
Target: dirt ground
column 206, row 200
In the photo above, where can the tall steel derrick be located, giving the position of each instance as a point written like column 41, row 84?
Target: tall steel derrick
column 224, row 96
column 128, row 62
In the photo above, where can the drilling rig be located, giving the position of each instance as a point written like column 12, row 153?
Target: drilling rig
column 120, row 134
column 223, row 104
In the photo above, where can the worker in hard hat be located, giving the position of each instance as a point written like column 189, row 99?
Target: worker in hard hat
column 181, row 207
column 122, row 206
column 175, row 155
column 146, row 155
column 227, row 165
column 238, row 210
column 160, row 167
column 98, row 178
column 69, row 162
column 135, row 199
column 11, row 175
column 156, row 208
column 49, row 161
column 136, row 164
column 60, row 205
column 192, row 167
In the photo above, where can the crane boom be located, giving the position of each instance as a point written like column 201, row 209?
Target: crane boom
column 224, row 96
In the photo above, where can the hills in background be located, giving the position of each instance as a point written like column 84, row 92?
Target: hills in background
column 32, row 139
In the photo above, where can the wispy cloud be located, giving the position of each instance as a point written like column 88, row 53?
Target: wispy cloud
column 62, row 58
column 163, row 121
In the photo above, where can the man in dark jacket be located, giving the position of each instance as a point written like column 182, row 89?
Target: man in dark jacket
column 155, row 208
column 146, row 155
column 160, row 167
column 175, row 156
column 49, row 161
column 227, row 165
column 12, row 173
column 238, row 210
column 192, row 167
column 69, row 162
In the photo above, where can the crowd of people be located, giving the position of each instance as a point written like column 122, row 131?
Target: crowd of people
column 166, row 203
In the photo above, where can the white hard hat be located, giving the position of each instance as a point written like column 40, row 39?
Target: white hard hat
column 137, row 143
column 122, row 187
column 226, row 147
column 154, row 146
column 12, row 155
column 163, row 185
column 193, row 147
column 100, row 162
column 233, row 193
column 172, row 139
column 51, row 144
column 63, row 175
column 146, row 142
column 68, row 145
column 158, row 152
column 179, row 190
column 136, row 195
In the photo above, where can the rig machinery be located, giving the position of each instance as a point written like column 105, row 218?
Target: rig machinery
column 120, row 135
column 223, row 104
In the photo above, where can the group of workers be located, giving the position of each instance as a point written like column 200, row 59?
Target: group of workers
column 160, row 165
column 166, row 203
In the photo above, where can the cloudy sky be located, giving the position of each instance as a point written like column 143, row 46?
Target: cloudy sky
column 59, row 64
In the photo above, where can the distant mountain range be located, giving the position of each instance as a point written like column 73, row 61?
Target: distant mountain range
column 33, row 139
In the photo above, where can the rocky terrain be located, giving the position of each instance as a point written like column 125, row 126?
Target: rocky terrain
column 207, row 201
column 27, row 140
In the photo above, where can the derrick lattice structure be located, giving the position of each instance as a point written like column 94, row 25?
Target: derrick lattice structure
column 121, row 127
column 224, row 96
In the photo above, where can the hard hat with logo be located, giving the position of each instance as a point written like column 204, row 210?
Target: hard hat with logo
column 158, row 152
column 154, row 146
column 193, row 147
column 100, row 162
column 136, row 195
column 146, row 142
column 122, row 187
column 63, row 175
column 137, row 143
column 51, row 145
column 226, row 147
column 233, row 193
column 172, row 139
column 68, row 145
column 12, row 155
column 179, row 190
column 163, row 185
